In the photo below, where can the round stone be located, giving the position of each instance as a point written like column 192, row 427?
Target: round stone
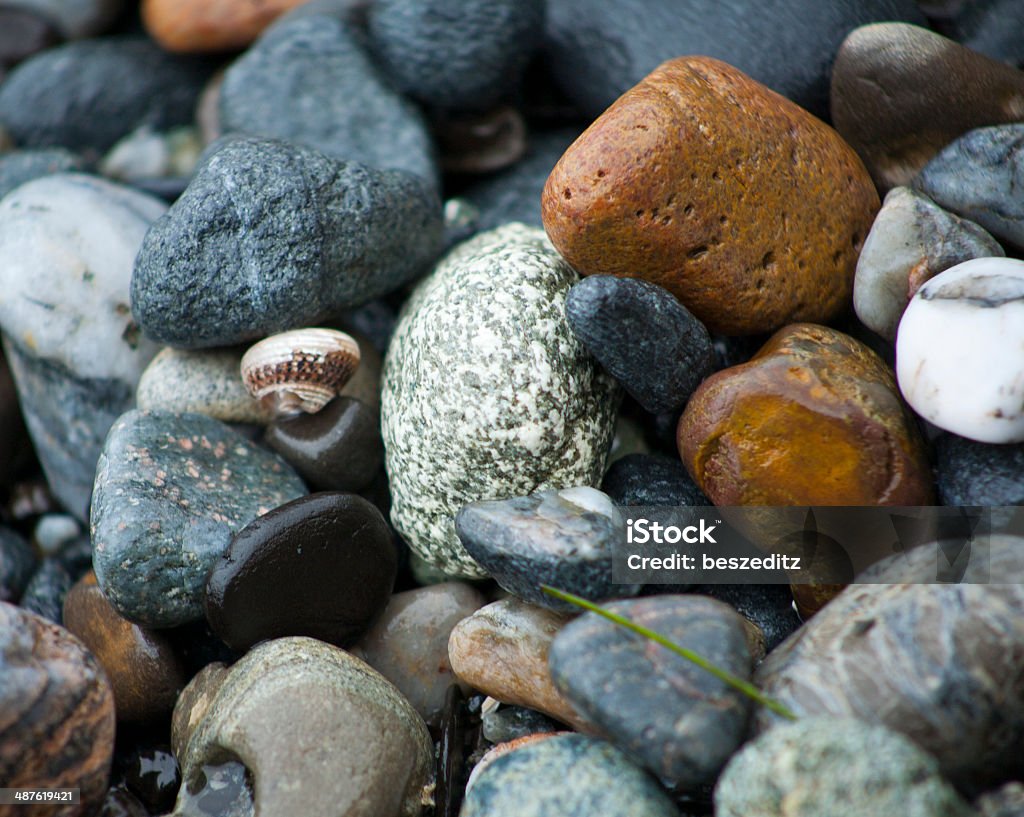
column 651, row 479
column 197, row 25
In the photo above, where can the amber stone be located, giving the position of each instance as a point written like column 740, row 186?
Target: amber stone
column 746, row 207
column 210, row 25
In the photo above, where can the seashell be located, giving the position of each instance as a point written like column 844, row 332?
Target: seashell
column 301, row 370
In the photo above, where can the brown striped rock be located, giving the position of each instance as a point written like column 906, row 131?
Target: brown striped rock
column 747, row 208
column 814, row 418
column 210, row 25
column 56, row 714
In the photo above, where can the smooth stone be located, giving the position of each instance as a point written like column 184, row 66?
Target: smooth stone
column 199, row 25
column 973, row 473
column 911, row 241
column 408, row 643
column 495, row 752
column 768, row 607
column 813, row 419
column 486, row 391
column 949, row 360
column 22, row 34
column 699, row 179
column 651, row 479
column 559, row 538
column 989, row 27
column 146, row 155
column 44, row 594
column 316, row 234
column 141, row 665
column 818, row 767
column 55, row 530
column 153, row 776
column 509, row 723
column 193, row 703
column 566, row 775
column 171, row 490
column 308, row 80
column 17, row 564
column 669, row 715
column 57, row 729
column 86, row 95
column 643, row 337
column 321, row 566
column 337, row 449
column 480, row 142
column 75, row 19
column 1006, row 801
column 456, row 54
column 319, row 731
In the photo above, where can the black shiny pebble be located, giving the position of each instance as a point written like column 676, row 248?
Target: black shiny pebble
column 45, row 592
column 651, row 479
column 973, row 473
column 321, row 566
column 121, row 803
column 153, row 776
column 197, row 645
column 17, row 562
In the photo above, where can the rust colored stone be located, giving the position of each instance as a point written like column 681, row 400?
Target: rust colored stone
column 747, row 208
column 814, row 418
column 210, row 25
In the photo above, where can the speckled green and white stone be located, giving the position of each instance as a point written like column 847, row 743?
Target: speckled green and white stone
column 487, row 393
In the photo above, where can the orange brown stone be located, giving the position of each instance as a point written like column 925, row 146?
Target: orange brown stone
column 739, row 202
column 210, row 25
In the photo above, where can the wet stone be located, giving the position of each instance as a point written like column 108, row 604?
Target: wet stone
column 120, row 802
column 44, row 594
column 652, row 479
column 973, row 473
column 152, row 775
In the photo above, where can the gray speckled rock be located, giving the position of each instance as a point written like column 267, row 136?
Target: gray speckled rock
column 669, row 715
column 569, row 776
column 271, row 236
column 486, row 391
column 25, row 165
column 68, row 243
column 973, row 473
column 171, row 489
column 308, row 81
column 74, row 18
column 820, row 767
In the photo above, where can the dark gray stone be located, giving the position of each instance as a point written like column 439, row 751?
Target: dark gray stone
column 17, row 563
column 974, row 473
column 171, row 489
column 307, row 80
column 511, row 722
column 674, row 718
column 768, row 606
column 271, row 236
column 456, row 54
column 22, row 34
column 643, row 336
column 991, row 27
column 45, row 592
column 652, row 479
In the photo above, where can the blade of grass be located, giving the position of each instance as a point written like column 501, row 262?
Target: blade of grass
column 739, row 684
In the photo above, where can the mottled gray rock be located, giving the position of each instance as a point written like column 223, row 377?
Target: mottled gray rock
column 486, row 391
column 307, row 80
column 171, row 489
column 271, row 236
column 911, row 240
column 819, row 767
column 74, row 18
column 25, row 165
column 652, row 479
column 973, row 473
column 667, row 714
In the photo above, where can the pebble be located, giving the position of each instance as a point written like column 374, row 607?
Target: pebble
column 75, row 19
column 480, row 142
column 58, row 725
column 145, row 155
column 320, row 732
column 171, row 490
column 487, row 392
column 509, row 723
column 813, row 419
column 86, row 95
column 119, row 802
column 560, row 538
column 152, row 775
column 566, row 775
column 973, row 473
column 197, row 25
column 670, row 716
column 194, row 703
column 74, row 348
column 408, row 643
column 456, row 54
column 44, row 594
column 911, row 241
column 141, row 665
column 989, row 27
column 949, row 360
column 54, row 531
column 699, row 179
column 502, row 651
column 643, row 337
column 768, row 607
column 308, row 81
column 321, row 566
column 319, row 235
column 1006, row 801
column 17, row 564
column 651, row 479
column 22, row 34
column 819, row 767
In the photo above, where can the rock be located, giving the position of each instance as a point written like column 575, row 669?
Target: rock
column 408, row 643
column 22, row 34
column 317, row 235
column 480, row 142
column 769, row 607
column 194, row 703
column 973, row 473
column 988, row 27
column 598, row 51
column 321, row 566
column 1006, row 801
column 486, row 391
column 698, row 180
column 818, row 765
column 55, row 530
column 74, row 348
column 560, row 538
column 651, row 479
column 203, row 26
column 152, row 775
column 502, row 650
column 145, row 156
column 813, row 419
column 17, row 564
column 58, row 725
column 911, row 241
column 86, row 95
column 44, row 594
column 668, row 715
column 495, row 752
column 975, row 177
column 643, row 337
column 456, row 54
column 569, row 775
column 74, row 19
column 509, row 723
column 307, row 80
column 144, row 672
column 119, row 802
column 948, row 362
column 171, row 490
column 320, row 733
